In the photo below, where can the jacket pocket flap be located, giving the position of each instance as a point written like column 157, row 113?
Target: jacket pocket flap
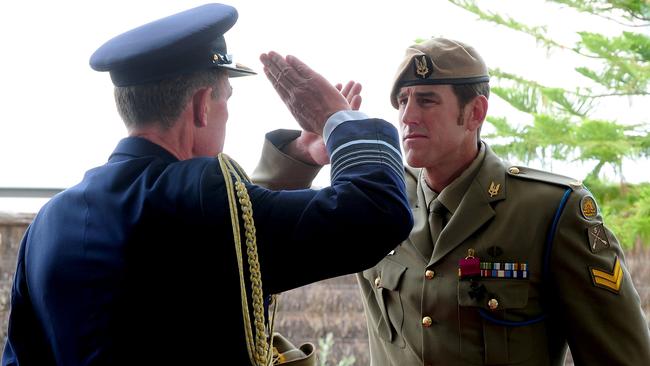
column 508, row 294
column 386, row 274
column 391, row 273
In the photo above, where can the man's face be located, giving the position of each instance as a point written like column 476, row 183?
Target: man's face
column 433, row 129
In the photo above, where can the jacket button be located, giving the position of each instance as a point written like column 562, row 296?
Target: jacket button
column 493, row 304
column 378, row 282
column 429, row 274
column 426, row 321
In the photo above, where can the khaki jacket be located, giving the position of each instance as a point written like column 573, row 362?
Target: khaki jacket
column 577, row 291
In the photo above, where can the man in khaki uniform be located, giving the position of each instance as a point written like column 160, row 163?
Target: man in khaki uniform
column 505, row 264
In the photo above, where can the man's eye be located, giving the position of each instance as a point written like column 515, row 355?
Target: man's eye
column 402, row 101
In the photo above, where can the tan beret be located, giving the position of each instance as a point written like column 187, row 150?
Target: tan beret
column 439, row 61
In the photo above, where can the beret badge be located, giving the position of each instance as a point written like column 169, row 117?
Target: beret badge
column 423, row 66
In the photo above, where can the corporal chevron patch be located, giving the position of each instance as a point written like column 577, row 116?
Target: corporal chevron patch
column 610, row 281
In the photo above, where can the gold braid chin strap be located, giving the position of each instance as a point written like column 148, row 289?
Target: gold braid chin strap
column 259, row 347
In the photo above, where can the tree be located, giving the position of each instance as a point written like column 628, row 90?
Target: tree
column 564, row 123
column 564, row 126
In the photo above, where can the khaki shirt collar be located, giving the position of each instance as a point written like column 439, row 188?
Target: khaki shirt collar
column 451, row 195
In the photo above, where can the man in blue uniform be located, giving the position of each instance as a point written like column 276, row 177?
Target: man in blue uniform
column 136, row 263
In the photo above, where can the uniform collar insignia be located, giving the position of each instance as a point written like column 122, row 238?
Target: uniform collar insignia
column 494, row 189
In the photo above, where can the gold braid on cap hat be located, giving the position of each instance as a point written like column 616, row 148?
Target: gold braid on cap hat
column 259, row 346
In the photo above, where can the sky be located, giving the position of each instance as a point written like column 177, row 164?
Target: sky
column 59, row 117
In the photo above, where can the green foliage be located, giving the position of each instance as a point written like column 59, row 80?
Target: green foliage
column 625, row 210
column 325, row 348
column 547, row 136
column 564, row 126
column 630, row 10
column 627, row 61
column 531, row 97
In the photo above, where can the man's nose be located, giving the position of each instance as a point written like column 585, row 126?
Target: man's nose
column 409, row 113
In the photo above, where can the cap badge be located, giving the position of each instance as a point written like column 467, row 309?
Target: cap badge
column 221, row 59
column 423, row 67
column 494, row 189
column 588, row 207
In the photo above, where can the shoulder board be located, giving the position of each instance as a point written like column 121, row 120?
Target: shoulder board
column 544, row 176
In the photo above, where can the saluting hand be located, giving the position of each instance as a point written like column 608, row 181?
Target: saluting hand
column 310, row 98
column 309, row 147
column 352, row 93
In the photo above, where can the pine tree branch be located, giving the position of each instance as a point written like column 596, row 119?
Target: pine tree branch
column 538, row 33
column 622, row 94
column 580, row 6
column 562, row 124
column 645, row 19
column 631, row 25
column 505, row 75
column 636, row 16
column 535, row 32
column 620, row 64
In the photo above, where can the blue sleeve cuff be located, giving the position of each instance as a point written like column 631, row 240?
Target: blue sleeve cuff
column 338, row 118
column 364, row 143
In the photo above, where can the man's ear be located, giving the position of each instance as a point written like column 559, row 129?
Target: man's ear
column 478, row 111
column 201, row 106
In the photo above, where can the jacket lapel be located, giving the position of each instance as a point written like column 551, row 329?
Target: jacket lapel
column 420, row 236
column 475, row 208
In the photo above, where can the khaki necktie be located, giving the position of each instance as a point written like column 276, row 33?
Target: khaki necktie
column 437, row 221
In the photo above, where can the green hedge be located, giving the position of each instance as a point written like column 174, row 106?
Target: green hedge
column 625, row 209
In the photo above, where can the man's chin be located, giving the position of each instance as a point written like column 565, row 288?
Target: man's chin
column 414, row 162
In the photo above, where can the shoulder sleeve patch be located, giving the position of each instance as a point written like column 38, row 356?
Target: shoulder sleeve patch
column 607, row 280
column 588, row 207
column 598, row 239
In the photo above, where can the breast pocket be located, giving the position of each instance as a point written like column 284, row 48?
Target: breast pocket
column 497, row 324
column 388, row 314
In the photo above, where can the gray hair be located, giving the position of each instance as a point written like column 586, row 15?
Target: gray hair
column 162, row 102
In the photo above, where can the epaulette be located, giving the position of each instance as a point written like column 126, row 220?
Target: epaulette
column 544, row 176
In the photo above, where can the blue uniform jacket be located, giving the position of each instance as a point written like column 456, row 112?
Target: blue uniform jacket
column 136, row 264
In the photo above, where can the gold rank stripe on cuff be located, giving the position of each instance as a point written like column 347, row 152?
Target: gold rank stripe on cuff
column 608, row 280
